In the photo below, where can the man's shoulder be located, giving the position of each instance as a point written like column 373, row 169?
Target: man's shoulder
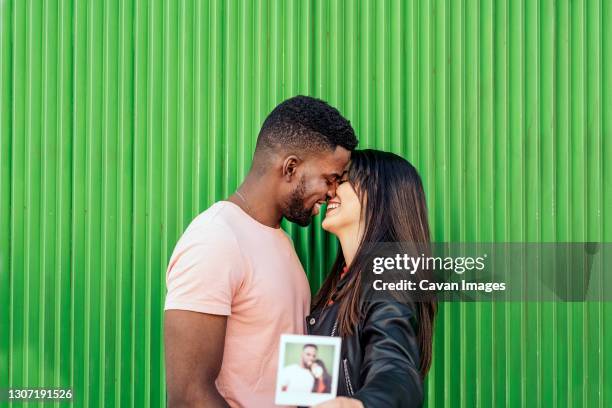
column 293, row 368
column 207, row 240
column 208, row 235
column 213, row 223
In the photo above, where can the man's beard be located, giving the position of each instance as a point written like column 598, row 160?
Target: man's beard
column 294, row 210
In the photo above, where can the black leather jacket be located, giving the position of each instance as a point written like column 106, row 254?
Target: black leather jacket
column 379, row 362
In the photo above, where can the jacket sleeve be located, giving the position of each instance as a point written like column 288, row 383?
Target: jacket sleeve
column 389, row 373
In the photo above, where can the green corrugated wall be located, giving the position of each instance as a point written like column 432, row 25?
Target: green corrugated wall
column 122, row 120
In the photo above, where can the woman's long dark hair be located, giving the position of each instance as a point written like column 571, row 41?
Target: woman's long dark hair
column 394, row 210
column 326, row 377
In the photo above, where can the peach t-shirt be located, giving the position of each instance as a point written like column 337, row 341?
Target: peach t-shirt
column 227, row 263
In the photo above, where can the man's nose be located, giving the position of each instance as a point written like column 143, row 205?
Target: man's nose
column 331, row 191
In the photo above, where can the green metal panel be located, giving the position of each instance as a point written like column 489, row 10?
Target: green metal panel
column 122, row 120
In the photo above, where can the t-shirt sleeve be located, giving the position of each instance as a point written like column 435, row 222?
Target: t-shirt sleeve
column 205, row 272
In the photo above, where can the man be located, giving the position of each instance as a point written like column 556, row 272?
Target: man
column 234, row 280
column 299, row 377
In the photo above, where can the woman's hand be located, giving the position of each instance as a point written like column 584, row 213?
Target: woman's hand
column 341, row 402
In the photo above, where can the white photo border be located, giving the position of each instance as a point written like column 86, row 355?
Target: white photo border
column 307, row 399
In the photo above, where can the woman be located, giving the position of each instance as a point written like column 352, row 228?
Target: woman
column 322, row 378
column 386, row 344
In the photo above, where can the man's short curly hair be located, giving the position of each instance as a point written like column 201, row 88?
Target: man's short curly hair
column 306, row 124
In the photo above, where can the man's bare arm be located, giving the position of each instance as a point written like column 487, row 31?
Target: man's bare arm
column 194, row 350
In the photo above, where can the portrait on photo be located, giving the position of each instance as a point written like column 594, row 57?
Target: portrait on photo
column 307, row 369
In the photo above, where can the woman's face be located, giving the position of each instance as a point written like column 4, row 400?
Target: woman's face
column 316, row 370
column 343, row 211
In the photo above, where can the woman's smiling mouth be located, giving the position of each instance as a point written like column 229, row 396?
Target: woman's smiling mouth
column 332, row 205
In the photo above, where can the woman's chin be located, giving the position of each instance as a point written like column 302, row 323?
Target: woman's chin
column 329, row 226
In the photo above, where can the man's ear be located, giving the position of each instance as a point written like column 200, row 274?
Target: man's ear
column 289, row 167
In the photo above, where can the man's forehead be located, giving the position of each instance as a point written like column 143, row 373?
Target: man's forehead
column 343, row 155
column 335, row 162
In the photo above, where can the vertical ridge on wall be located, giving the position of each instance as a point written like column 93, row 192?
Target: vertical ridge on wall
column 6, row 14
column 6, row 188
column 120, row 121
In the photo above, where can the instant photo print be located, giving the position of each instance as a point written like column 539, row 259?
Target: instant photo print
column 307, row 369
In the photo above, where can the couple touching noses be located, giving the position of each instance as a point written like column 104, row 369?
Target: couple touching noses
column 235, row 283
